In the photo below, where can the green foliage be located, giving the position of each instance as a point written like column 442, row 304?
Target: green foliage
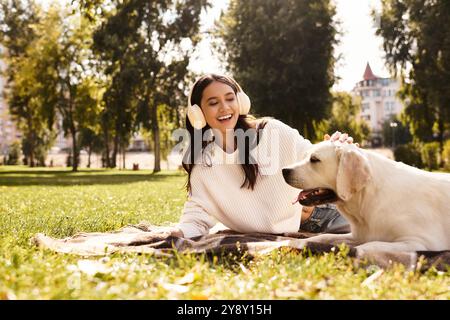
column 167, row 117
column 13, row 156
column 146, row 59
column 281, row 52
column 409, row 154
column 417, row 47
column 430, row 155
column 53, row 74
column 16, row 20
column 446, row 155
column 344, row 118
column 393, row 136
column 27, row 102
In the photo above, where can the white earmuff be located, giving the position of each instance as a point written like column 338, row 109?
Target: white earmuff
column 244, row 102
column 195, row 113
column 196, row 117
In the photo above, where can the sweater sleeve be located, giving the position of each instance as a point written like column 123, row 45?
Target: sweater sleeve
column 292, row 140
column 301, row 144
column 195, row 221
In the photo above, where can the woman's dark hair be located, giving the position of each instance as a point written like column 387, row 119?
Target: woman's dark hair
column 244, row 122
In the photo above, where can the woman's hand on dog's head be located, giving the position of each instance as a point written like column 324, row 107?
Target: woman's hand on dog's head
column 341, row 137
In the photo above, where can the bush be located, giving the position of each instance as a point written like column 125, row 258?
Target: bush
column 408, row 154
column 430, row 155
column 69, row 160
column 13, row 154
column 446, row 155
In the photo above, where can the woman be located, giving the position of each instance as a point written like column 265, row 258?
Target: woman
column 228, row 181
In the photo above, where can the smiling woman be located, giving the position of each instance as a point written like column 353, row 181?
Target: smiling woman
column 245, row 194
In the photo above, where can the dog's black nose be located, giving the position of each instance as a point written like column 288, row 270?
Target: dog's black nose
column 286, row 173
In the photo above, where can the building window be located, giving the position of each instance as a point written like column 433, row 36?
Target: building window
column 376, row 93
column 389, row 107
column 365, row 107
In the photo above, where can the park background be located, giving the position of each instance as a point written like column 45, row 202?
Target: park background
column 88, row 83
column 104, row 83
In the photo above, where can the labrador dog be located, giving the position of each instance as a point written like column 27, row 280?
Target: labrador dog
column 390, row 206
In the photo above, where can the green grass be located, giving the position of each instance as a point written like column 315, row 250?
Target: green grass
column 60, row 203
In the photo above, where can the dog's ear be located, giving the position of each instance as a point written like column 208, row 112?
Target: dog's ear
column 353, row 172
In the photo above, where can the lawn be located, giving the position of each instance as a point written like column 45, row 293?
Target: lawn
column 60, row 203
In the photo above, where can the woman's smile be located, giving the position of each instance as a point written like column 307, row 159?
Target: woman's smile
column 226, row 119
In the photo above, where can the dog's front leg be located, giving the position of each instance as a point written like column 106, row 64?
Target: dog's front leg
column 385, row 254
column 391, row 246
column 334, row 239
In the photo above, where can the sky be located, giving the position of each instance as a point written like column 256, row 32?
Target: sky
column 359, row 44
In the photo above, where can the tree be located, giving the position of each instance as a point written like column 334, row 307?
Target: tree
column 13, row 154
column 417, row 46
column 344, row 118
column 399, row 134
column 282, row 54
column 78, row 89
column 65, row 73
column 53, row 74
column 144, row 42
column 92, row 141
column 17, row 32
column 17, row 18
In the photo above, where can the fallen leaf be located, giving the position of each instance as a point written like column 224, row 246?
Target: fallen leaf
column 188, row 278
column 175, row 288
column 91, row 267
column 372, row 278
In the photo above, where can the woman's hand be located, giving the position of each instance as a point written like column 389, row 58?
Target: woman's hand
column 306, row 213
column 169, row 231
column 341, row 137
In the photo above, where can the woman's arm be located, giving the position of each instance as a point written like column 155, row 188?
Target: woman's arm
column 195, row 221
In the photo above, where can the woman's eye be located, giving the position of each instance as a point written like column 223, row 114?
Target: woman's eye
column 230, row 100
column 213, row 103
column 314, row 159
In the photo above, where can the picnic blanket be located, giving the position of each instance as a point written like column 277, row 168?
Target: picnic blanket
column 146, row 239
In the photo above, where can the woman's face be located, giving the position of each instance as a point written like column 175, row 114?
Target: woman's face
column 220, row 106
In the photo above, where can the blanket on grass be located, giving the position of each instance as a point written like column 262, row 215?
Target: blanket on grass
column 146, row 239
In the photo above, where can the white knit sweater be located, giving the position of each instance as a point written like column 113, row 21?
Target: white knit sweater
column 217, row 195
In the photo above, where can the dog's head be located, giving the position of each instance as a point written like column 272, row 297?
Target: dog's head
column 329, row 172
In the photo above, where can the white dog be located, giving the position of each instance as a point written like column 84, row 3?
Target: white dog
column 390, row 206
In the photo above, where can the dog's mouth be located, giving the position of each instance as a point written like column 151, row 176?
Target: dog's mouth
column 317, row 196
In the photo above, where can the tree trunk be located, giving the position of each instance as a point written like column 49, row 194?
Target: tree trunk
column 75, row 154
column 31, row 139
column 89, row 156
column 156, row 140
column 123, row 157
column 441, row 141
column 106, row 137
column 31, row 153
column 305, row 131
column 115, row 150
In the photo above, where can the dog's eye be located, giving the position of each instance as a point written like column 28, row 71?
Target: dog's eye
column 314, row 159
